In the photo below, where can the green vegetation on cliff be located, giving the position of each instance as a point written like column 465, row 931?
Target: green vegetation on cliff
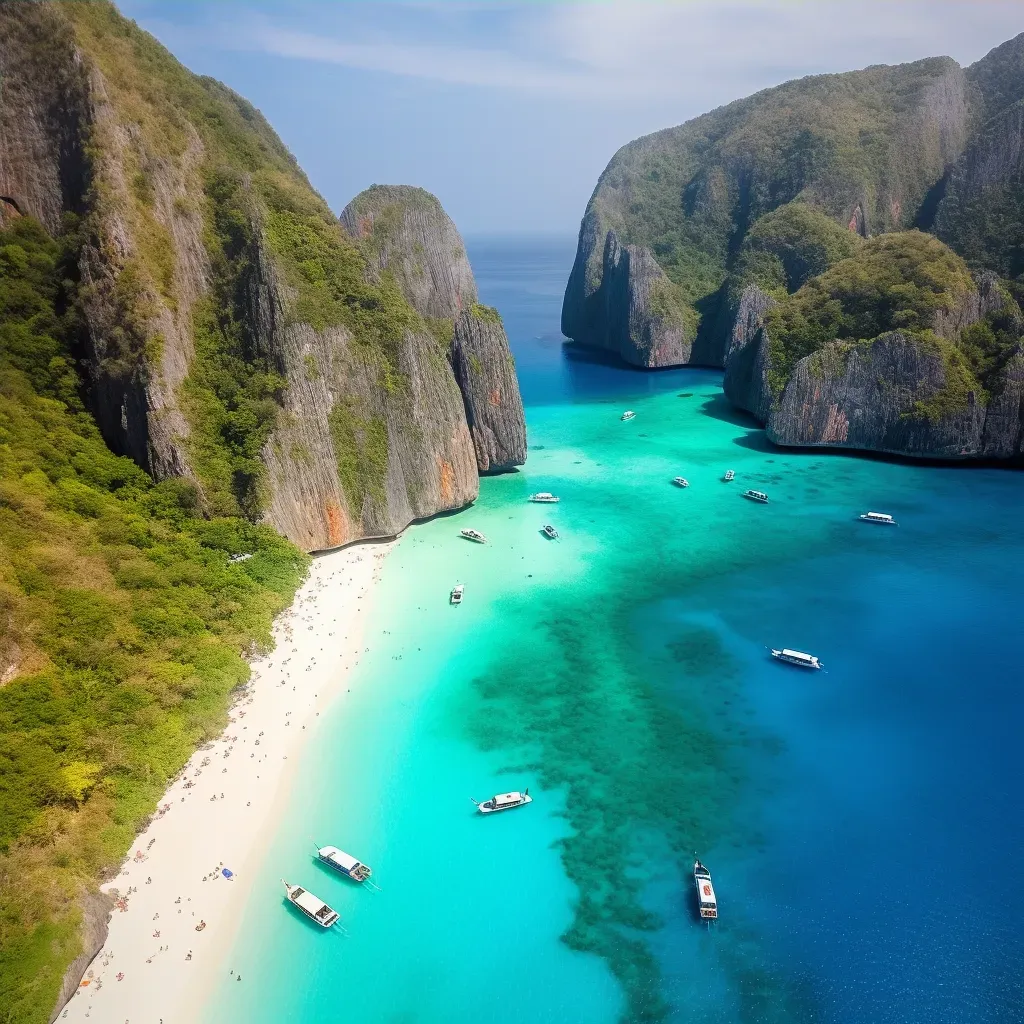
column 122, row 628
column 855, row 146
column 896, row 282
column 787, row 247
column 261, row 226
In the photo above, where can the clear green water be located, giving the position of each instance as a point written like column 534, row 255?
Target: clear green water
column 621, row 673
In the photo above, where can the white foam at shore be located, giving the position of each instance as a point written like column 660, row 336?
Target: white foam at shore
column 220, row 811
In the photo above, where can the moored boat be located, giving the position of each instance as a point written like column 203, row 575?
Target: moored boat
column 473, row 535
column 758, row 496
column 796, row 658
column 879, row 517
column 730, row 474
column 344, row 862
column 456, row 595
column 312, row 906
column 550, row 532
column 707, row 904
column 504, row 802
column 627, row 415
column 545, row 498
column 680, row 481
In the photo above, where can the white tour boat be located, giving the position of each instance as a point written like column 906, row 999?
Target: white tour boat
column 345, row 863
column 312, row 906
column 456, row 595
column 879, row 517
column 545, row 498
column 706, row 902
column 796, row 658
column 680, row 481
column 756, row 496
column 504, row 802
column 729, row 475
column 474, row 535
column 550, row 532
column 627, row 415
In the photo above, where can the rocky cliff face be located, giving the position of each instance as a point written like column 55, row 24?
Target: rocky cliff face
column 235, row 334
column 405, row 233
column 629, row 306
column 862, row 148
column 981, row 214
column 736, row 211
column 896, row 394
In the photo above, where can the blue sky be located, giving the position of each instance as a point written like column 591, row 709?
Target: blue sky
column 508, row 112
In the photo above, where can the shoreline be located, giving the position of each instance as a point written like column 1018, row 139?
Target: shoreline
column 154, row 965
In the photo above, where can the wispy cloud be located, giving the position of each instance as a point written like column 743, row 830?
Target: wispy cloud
column 464, row 65
column 693, row 49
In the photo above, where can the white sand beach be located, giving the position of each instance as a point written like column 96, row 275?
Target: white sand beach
column 178, row 913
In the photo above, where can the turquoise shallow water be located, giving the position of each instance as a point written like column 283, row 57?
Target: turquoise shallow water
column 863, row 824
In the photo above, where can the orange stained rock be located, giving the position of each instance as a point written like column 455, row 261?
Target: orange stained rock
column 447, row 479
column 335, row 522
column 494, row 396
column 837, row 426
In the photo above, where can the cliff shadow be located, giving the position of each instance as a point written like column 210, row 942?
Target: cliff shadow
column 583, row 355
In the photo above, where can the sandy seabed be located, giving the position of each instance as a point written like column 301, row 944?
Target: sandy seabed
column 177, row 913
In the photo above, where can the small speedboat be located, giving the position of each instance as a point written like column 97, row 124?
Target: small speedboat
column 545, row 498
column 879, row 517
column 627, row 415
column 550, row 532
column 797, row 658
column 707, row 904
column 344, row 863
column 759, row 496
column 680, row 481
column 730, row 474
column 504, row 802
column 473, row 535
column 455, row 597
column 312, row 906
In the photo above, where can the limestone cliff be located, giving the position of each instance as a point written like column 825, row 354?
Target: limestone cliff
column 864, row 149
column 900, row 394
column 406, row 235
column 235, row 334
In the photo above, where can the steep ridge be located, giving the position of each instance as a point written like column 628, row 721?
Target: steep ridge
column 936, row 374
column 405, row 233
column 768, row 208
column 236, row 335
column 864, row 148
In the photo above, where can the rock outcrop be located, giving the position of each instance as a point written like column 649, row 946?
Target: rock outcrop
column 896, row 394
column 981, row 214
column 235, row 333
column 405, row 233
column 693, row 234
column 486, row 374
column 626, row 305
column 863, row 148
column 746, row 368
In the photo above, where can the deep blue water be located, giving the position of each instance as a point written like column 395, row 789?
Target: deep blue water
column 876, row 859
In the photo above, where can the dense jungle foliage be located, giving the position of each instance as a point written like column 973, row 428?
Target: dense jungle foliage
column 122, row 627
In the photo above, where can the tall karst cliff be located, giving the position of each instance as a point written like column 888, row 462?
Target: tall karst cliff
column 235, row 333
column 706, row 243
column 403, row 232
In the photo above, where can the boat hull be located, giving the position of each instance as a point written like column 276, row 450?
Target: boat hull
column 797, row 662
column 508, row 807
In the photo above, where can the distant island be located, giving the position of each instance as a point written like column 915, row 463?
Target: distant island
column 849, row 248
